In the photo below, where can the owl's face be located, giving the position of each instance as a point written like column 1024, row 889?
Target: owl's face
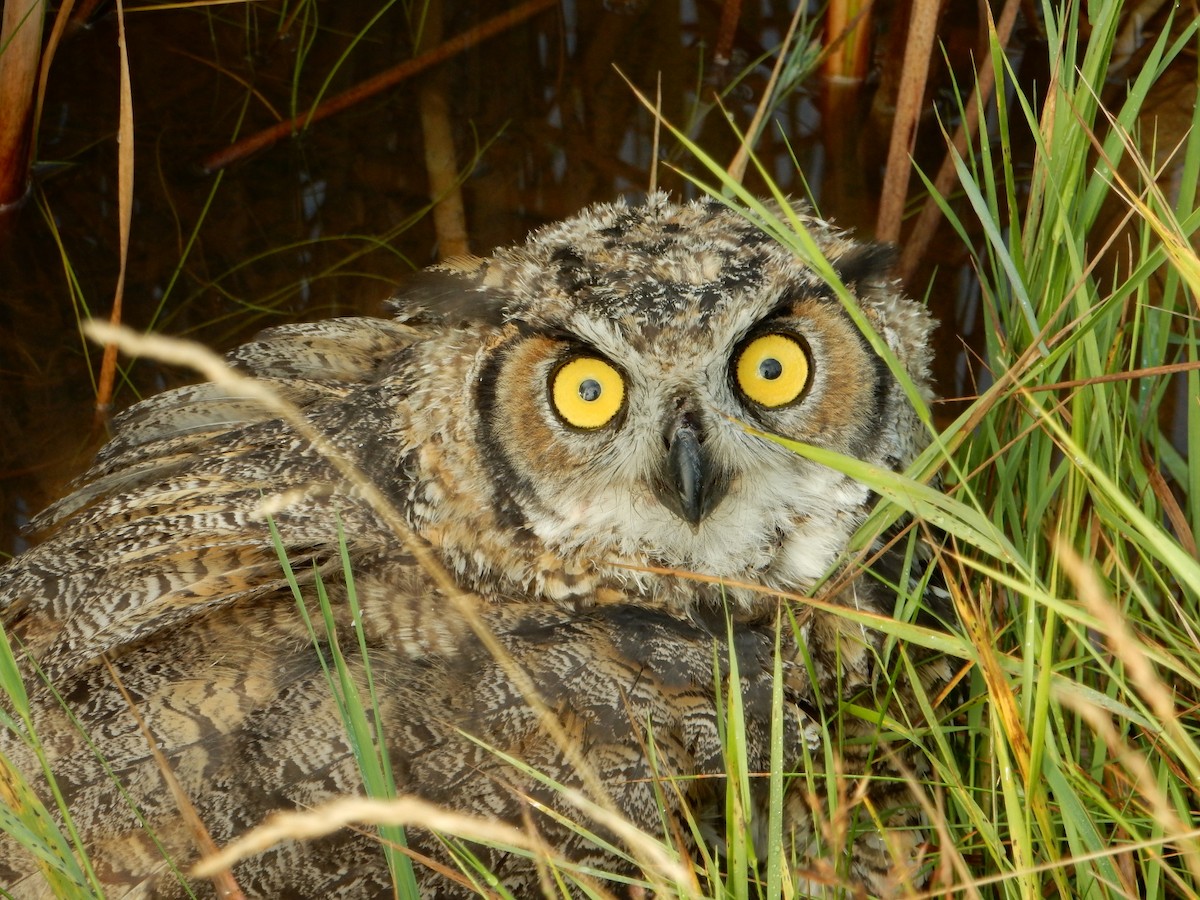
column 637, row 345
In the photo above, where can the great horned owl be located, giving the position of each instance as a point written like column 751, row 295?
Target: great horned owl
column 549, row 440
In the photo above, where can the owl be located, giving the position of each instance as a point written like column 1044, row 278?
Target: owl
column 539, row 504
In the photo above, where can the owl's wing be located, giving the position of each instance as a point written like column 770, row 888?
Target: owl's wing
column 167, row 523
column 147, row 562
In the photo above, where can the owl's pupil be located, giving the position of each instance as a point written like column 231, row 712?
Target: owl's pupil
column 589, row 389
column 770, row 369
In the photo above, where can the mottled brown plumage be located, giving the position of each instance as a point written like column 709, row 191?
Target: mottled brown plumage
column 545, row 514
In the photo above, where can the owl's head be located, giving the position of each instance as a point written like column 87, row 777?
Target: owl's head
column 630, row 348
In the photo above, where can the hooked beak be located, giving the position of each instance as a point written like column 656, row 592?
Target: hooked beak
column 691, row 486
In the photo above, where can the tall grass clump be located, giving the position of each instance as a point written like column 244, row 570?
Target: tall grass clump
column 1077, row 772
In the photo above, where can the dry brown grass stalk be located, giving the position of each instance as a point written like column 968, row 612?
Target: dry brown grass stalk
column 338, row 814
column 21, row 43
column 910, row 101
column 381, row 82
column 108, row 368
column 917, row 243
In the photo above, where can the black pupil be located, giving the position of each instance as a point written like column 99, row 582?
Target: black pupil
column 770, row 368
column 589, row 389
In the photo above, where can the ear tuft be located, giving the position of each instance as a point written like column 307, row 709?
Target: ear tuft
column 449, row 294
column 865, row 262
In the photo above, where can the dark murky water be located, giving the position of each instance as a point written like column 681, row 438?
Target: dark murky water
column 325, row 223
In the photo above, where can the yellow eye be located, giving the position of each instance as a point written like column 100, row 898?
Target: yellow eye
column 772, row 370
column 587, row 392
